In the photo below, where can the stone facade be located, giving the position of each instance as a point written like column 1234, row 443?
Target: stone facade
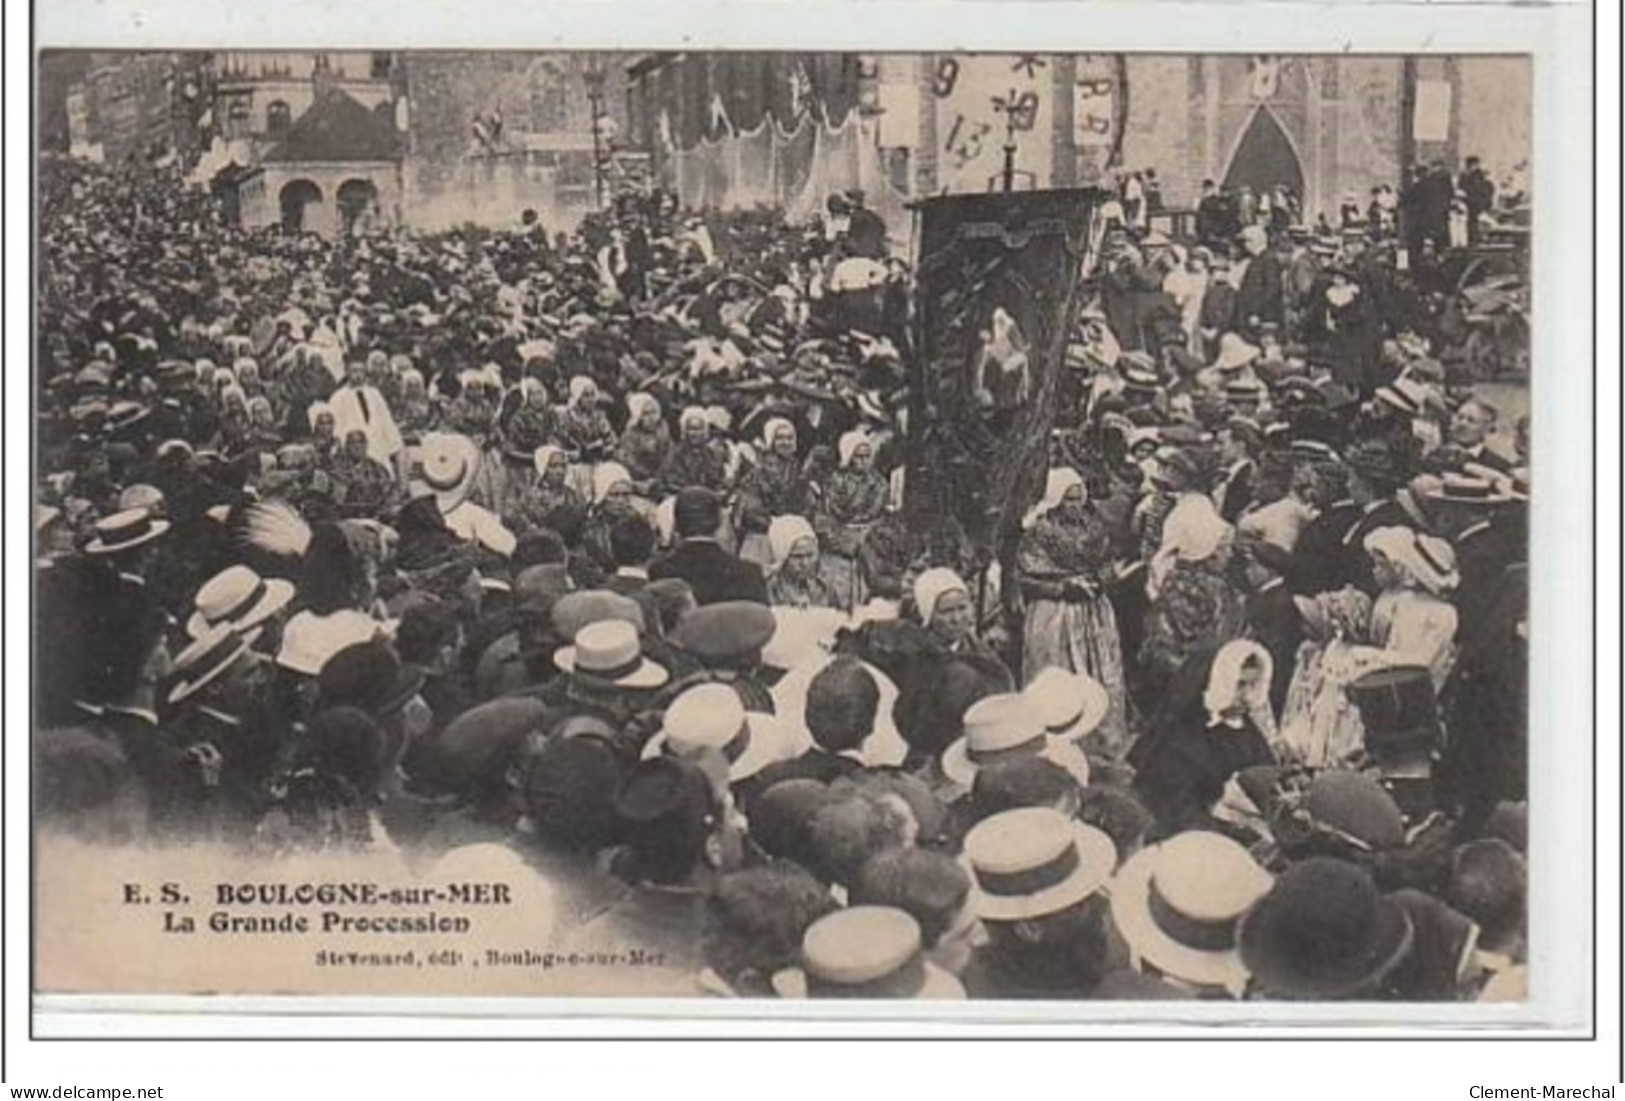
column 1339, row 123
column 544, row 158
column 323, row 192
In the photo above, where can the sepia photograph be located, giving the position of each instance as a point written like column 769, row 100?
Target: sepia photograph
column 784, row 526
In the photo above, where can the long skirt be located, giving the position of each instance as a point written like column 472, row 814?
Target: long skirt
column 1081, row 637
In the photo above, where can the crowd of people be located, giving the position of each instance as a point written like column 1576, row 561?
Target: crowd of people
column 591, row 549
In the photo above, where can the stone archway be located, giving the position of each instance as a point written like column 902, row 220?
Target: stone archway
column 356, row 198
column 296, row 199
column 1265, row 157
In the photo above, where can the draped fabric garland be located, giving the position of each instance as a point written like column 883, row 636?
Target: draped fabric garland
column 796, row 170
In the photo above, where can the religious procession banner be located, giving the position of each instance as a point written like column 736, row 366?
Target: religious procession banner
column 996, row 289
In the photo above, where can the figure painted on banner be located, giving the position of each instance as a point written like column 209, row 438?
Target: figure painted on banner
column 1000, row 369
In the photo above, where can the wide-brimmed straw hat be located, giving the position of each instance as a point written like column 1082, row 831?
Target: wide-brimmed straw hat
column 202, row 663
column 1035, row 861
column 1178, row 905
column 1070, row 704
column 1005, row 726
column 449, row 463
column 609, row 651
column 125, row 530
column 238, row 598
column 712, row 718
column 866, row 952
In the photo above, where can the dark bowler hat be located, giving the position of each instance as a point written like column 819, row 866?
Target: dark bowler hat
column 477, row 747
column 1444, row 945
column 570, row 789
column 368, row 675
column 1324, row 932
column 663, row 797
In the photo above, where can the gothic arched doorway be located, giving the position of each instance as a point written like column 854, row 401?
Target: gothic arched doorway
column 1265, row 158
column 355, row 198
column 295, row 197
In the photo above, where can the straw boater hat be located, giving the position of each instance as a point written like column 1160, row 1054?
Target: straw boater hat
column 203, row 662
column 125, row 530
column 1471, row 489
column 1405, row 395
column 1177, row 905
column 450, row 463
column 866, row 952
column 609, row 651
column 1005, row 726
column 1071, row 705
column 712, row 717
column 1034, row 861
column 1323, row 932
column 238, row 598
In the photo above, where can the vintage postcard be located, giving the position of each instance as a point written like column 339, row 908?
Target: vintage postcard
column 932, row 527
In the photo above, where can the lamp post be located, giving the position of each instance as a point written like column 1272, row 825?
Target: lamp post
column 595, row 97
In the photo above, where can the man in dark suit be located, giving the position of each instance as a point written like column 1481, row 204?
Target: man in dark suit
column 1479, row 190
column 1470, row 428
column 1239, row 441
column 631, row 546
column 842, row 702
column 1490, row 534
column 1485, row 707
column 1376, row 475
column 1261, row 293
column 1317, row 557
column 714, row 574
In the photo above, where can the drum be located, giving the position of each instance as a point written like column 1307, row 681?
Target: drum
column 1398, row 710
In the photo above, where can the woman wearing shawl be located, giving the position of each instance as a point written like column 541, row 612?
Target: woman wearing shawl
column 585, row 432
column 1216, row 722
column 236, row 429
column 1411, row 619
column 263, row 435
column 797, row 579
column 647, row 441
column 947, row 610
column 1320, row 726
column 473, row 413
column 1193, row 603
column 1065, row 564
column 853, row 499
column 550, row 492
column 526, row 423
column 613, row 499
column 695, row 460
column 416, row 415
column 776, row 486
column 324, row 440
